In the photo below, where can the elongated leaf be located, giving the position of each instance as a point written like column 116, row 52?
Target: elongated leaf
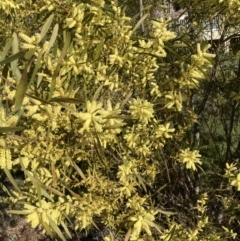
column 45, row 194
column 54, row 36
column 168, row 213
column 81, row 174
column 94, row 224
column 36, row 68
column 126, row 100
column 140, row 22
column 38, row 183
column 123, row 117
column 39, row 99
column 11, row 179
column 128, row 234
column 141, row 182
column 39, row 194
column 55, row 74
column 66, row 229
column 170, row 235
column 56, row 228
column 13, row 57
column 39, row 80
column 157, row 227
column 88, row 17
column 116, row 126
column 20, row 212
column 5, row 71
column 21, row 89
column 10, row 129
column 15, row 50
column 98, row 49
column 73, row 193
column 6, row 49
column 97, row 93
column 54, row 174
column 66, row 100
column 4, row 188
column 46, row 27
column 145, row 8
column 67, row 107
column 100, row 151
column 174, row 53
column 30, row 54
column 47, row 228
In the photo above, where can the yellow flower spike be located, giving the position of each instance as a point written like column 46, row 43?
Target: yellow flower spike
column 26, row 38
column 199, row 51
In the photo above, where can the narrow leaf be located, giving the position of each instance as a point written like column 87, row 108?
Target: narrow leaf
column 20, row 212
column 154, row 225
column 38, row 183
column 126, row 100
column 127, row 237
column 45, row 194
column 100, row 151
column 47, row 228
column 140, row 22
column 5, row 71
column 11, row 179
column 73, row 193
column 36, row 68
column 56, row 228
column 39, row 194
column 66, row 229
column 13, row 57
column 98, row 49
column 168, row 213
column 174, row 53
column 30, row 54
column 81, row 174
column 66, row 100
column 54, row 174
column 54, row 36
column 55, row 74
column 10, row 129
column 21, row 89
column 15, row 50
column 39, row 99
column 46, row 27
column 94, row 224
column 6, row 49
column 96, row 94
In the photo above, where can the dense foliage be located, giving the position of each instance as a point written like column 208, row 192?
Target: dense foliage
column 100, row 116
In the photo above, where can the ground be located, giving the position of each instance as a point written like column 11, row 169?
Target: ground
column 17, row 229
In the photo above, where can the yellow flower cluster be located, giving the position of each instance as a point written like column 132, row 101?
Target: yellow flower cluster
column 190, row 158
column 141, row 110
column 233, row 175
column 8, row 6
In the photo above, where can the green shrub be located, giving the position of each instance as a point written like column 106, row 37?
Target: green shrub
column 101, row 131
